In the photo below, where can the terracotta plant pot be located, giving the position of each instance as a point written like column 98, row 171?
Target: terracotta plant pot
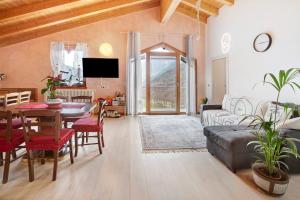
column 273, row 185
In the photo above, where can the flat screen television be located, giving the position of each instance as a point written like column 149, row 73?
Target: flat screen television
column 100, row 67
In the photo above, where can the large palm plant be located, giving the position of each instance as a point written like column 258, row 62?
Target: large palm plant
column 270, row 146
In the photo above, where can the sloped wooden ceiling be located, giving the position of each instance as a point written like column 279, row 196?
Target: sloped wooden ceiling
column 22, row 20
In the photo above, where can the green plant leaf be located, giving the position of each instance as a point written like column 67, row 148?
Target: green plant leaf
column 44, row 90
column 281, row 78
column 289, row 71
column 296, row 84
column 273, row 77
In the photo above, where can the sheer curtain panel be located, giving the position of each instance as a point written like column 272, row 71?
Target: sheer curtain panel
column 190, row 77
column 56, row 56
column 133, row 70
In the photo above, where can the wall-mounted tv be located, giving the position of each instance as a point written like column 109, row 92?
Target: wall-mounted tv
column 100, row 67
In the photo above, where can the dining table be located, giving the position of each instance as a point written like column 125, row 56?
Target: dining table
column 66, row 109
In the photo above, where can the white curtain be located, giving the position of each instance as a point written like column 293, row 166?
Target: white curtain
column 133, row 69
column 79, row 53
column 56, row 56
column 71, row 71
column 190, row 77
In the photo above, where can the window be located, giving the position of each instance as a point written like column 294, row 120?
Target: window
column 66, row 60
column 71, row 70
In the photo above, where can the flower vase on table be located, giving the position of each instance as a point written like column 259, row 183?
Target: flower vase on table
column 51, row 84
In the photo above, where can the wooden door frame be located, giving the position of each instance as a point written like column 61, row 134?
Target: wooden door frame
column 177, row 53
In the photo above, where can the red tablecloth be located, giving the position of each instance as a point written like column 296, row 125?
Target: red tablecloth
column 43, row 105
column 32, row 106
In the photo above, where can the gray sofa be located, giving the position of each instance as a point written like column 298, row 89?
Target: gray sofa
column 229, row 144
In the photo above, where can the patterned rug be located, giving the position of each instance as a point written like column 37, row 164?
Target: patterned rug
column 172, row 133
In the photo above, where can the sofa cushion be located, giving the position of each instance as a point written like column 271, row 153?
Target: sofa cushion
column 243, row 106
column 249, row 106
column 229, row 102
column 291, row 124
column 210, row 115
column 229, row 137
column 227, row 120
column 281, row 115
column 234, row 109
column 225, row 102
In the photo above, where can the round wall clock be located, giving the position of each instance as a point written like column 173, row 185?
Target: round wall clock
column 262, row 42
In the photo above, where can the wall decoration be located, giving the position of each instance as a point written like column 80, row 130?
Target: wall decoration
column 225, row 43
column 262, row 42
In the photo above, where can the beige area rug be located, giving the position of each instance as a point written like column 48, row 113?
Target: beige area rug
column 172, row 133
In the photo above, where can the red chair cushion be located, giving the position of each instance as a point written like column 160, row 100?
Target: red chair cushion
column 48, row 142
column 87, row 125
column 17, row 139
column 16, row 123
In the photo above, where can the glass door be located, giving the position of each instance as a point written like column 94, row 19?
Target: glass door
column 164, row 80
column 163, row 84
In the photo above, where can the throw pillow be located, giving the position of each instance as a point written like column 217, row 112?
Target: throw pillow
column 225, row 101
column 281, row 114
column 292, row 124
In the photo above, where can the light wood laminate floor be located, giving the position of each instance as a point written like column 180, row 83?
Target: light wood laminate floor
column 123, row 172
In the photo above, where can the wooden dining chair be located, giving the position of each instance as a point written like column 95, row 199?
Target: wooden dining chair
column 49, row 136
column 89, row 125
column 79, row 99
column 10, row 139
column 11, row 99
column 24, row 97
column 87, row 99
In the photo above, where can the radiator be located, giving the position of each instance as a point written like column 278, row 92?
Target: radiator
column 74, row 92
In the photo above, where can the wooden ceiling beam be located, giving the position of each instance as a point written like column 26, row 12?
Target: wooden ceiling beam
column 204, row 7
column 27, row 8
column 57, row 26
column 38, row 19
column 191, row 12
column 226, row 2
column 167, row 9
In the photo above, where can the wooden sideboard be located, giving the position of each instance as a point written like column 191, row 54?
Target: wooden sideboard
column 34, row 92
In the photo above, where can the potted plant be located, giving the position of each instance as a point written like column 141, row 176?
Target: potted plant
column 204, row 100
column 51, row 84
column 270, row 146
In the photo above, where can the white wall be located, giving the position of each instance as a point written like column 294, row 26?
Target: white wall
column 244, row 21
